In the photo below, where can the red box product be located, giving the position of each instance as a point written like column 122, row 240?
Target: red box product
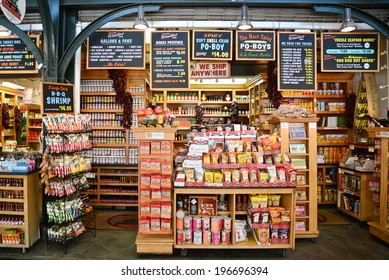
column 155, row 148
column 156, row 193
column 145, row 165
column 144, row 224
column 166, row 147
column 144, row 148
column 155, row 181
column 145, row 193
column 155, row 209
column 145, row 209
column 145, row 180
column 155, row 165
column 165, row 225
column 166, row 168
column 166, row 194
column 166, row 210
column 166, row 181
column 155, row 224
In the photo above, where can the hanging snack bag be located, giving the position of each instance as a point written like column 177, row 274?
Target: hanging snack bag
column 217, row 177
column 242, row 158
column 166, row 167
column 215, row 157
column 285, row 158
column 224, row 158
column 258, row 157
column 207, row 158
column 199, row 175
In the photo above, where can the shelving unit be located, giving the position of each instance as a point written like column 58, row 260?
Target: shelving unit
column 380, row 192
column 34, row 126
column 155, row 234
column 309, row 173
column 287, row 201
column 19, row 210
column 68, row 213
column 354, row 197
column 9, row 96
column 327, row 183
column 113, row 146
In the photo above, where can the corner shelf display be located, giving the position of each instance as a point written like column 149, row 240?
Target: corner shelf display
column 67, row 145
column 155, row 167
column 299, row 139
column 259, row 103
column 327, row 183
column 240, row 182
column 19, row 210
column 34, row 126
column 9, row 99
column 379, row 186
column 354, row 197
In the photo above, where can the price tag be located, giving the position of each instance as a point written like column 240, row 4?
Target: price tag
column 312, row 125
column 352, row 147
column 384, row 134
column 371, row 149
column 155, row 135
column 284, row 125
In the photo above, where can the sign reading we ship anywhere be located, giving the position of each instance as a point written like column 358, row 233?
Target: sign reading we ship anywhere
column 199, row 70
column 57, row 98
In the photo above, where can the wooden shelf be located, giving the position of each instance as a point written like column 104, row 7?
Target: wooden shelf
column 183, row 102
column 108, row 127
column 332, row 144
column 330, row 96
column 326, row 202
column 102, row 111
column 109, row 145
column 330, row 112
column 298, row 96
column 332, row 128
column 98, row 93
column 118, row 184
column 118, row 193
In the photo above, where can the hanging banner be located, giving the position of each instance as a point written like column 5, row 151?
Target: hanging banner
column 116, row 49
column 296, row 61
column 209, row 45
column 16, row 57
column 14, row 10
column 169, row 60
column 57, row 98
column 255, row 45
column 350, row 52
column 199, row 70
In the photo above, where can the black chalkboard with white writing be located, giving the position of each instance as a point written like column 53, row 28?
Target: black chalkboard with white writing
column 57, row 98
column 209, row 45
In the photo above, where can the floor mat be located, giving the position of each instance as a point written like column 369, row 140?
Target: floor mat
column 124, row 220
column 326, row 217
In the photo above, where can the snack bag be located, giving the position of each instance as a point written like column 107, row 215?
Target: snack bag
column 244, row 175
column 206, row 158
column 242, row 158
column 272, row 173
column 224, row 158
column 227, row 175
column 215, row 157
column 235, row 175
column 208, row 176
column 253, row 175
column 189, row 175
column 199, row 175
column 258, row 157
column 232, row 157
column 217, row 177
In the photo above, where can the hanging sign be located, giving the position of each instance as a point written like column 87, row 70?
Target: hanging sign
column 14, row 10
column 350, row 52
column 16, row 57
column 208, row 45
column 296, row 61
column 199, row 70
column 57, row 98
column 116, row 49
column 169, row 60
column 255, row 45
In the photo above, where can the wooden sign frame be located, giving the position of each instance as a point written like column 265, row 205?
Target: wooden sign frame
column 37, row 37
column 279, row 86
column 351, row 34
column 187, row 62
column 274, row 44
column 194, row 57
column 113, row 66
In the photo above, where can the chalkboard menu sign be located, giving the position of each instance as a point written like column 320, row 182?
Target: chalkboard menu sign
column 350, row 52
column 170, row 60
column 16, row 57
column 57, row 98
column 208, row 45
column 255, row 45
column 116, row 49
column 296, row 61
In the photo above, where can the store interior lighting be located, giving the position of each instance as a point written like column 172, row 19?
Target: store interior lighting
column 348, row 24
column 244, row 23
column 140, row 22
column 12, row 85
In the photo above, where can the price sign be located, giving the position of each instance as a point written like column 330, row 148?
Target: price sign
column 296, row 61
column 57, row 98
column 208, row 45
column 116, row 49
column 255, row 45
column 16, row 57
column 170, row 60
column 351, row 52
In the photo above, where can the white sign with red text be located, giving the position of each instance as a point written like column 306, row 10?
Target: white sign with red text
column 201, row 70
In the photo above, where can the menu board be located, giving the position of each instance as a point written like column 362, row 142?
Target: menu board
column 255, row 45
column 208, row 45
column 16, row 57
column 57, row 98
column 296, row 61
column 350, row 52
column 116, row 49
column 170, row 60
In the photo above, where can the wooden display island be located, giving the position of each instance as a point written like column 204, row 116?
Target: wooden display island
column 287, row 201
column 155, row 235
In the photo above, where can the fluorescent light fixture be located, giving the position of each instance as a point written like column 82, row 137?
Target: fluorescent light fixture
column 302, row 30
column 140, row 22
column 244, row 23
column 12, row 85
column 348, row 24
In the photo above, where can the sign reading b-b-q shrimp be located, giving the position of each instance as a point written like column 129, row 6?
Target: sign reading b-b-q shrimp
column 57, row 97
column 255, row 45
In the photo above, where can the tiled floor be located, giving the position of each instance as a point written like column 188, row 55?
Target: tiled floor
column 335, row 242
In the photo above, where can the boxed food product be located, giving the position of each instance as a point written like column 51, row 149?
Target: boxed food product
column 165, row 225
column 155, row 165
column 155, row 224
column 166, row 194
column 145, row 180
column 145, row 193
column 166, row 168
column 155, row 209
column 155, row 181
column 166, row 147
column 155, row 193
column 155, row 148
column 144, row 148
column 145, row 164
column 166, row 210
column 145, row 209
column 166, row 181
column 144, row 224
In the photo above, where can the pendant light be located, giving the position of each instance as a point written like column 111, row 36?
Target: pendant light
column 140, row 22
column 244, row 23
column 348, row 24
